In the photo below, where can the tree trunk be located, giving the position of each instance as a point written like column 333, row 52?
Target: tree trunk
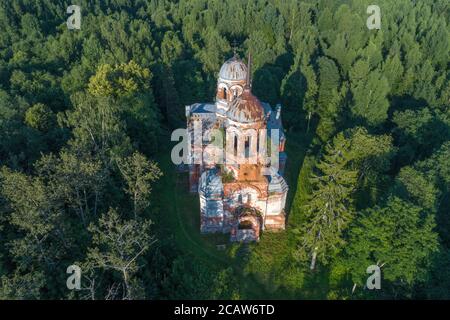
column 135, row 205
column 309, row 120
column 313, row 260
column 127, row 285
column 80, row 206
column 292, row 25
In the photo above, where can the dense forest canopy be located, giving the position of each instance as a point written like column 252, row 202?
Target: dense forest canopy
column 85, row 122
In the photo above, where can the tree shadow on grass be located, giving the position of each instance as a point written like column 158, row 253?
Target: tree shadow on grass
column 297, row 145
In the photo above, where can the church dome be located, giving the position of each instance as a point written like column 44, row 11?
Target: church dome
column 246, row 108
column 277, row 184
column 233, row 69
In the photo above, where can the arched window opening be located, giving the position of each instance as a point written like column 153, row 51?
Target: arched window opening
column 235, row 145
column 225, row 93
column 245, row 225
column 257, row 144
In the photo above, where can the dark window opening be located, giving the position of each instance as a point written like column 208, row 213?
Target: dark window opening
column 245, row 225
column 235, row 145
column 247, row 147
column 257, row 144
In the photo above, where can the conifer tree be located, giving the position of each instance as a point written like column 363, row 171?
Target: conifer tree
column 329, row 98
column 369, row 90
column 346, row 160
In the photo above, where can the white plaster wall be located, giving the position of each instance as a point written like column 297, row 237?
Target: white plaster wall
column 253, row 135
column 244, row 193
column 274, row 205
column 261, row 206
column 202, row 203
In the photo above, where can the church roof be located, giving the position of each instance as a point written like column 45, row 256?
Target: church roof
column 246, row 108
column 273, row 122
column 203, row 108
column 211, row 183
column 233, row 69
column 276, row 182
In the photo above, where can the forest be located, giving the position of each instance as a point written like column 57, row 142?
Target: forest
column 86, row 177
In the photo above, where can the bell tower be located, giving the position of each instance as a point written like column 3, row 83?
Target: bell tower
column 230, row 84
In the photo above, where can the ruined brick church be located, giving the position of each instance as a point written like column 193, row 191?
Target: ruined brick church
column 246, row 194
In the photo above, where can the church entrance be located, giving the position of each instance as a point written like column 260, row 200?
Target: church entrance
column 245, row 225
column 248, row 226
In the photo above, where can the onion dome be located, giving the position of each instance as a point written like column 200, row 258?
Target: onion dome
column 233, row 70
column 246, row 108
column 211, row 183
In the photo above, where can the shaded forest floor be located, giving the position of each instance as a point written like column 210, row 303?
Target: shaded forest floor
column 180, row 214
